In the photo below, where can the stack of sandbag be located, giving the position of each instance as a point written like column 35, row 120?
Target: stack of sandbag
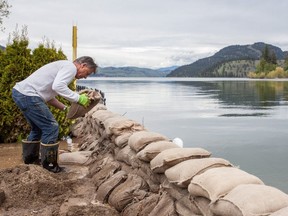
column 140, row 172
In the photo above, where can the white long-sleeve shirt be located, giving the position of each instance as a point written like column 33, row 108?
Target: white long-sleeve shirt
column 49, row 81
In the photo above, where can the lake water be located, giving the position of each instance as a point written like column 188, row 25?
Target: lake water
column 244, row 121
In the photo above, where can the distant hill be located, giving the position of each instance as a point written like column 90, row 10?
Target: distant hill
column 2, row 47
column 231, row 61
column 133, row 72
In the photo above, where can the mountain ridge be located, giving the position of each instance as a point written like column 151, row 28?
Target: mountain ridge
column 131, row 71
column 204, row 67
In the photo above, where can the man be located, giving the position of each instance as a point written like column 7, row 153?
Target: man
column 31, row 96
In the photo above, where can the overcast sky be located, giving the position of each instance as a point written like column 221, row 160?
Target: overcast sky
column 150, row 33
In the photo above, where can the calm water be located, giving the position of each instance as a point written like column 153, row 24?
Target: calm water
column 243, row 121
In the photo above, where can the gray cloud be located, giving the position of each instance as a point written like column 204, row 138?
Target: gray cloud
column 150, row 33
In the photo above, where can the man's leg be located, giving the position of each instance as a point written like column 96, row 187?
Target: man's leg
column 31, row 145
column 41, row 116
column 41, row 119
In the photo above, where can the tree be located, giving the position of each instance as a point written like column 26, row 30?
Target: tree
column 286, row 63
column 17, row 62
column 4, row 11
column 268, row 61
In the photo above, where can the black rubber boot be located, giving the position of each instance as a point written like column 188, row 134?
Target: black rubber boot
column 49, row 157
column 30, row 152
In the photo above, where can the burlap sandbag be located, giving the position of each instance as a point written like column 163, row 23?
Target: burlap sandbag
column 79, row 157
column 140, row 139
column 120, row 124
column 101, row 115
column 164, row 207
column 96, row 108
column 126, row 155
column 134, row 188
column 184, row 207
column 122, row 140
column 217, row 182
column 105, row 172
column 154, row 148
column 170, row 157
column 202, row 204
column 281, row 212
column 76, row 110
column 182, row 173
column 141, row 208
column 183, row 203
column 250, row 200
column 108, row 186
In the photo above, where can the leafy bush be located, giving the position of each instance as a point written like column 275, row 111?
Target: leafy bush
column 277, row 73
column 16, row 63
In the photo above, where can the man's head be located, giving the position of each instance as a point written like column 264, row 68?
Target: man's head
column 85, row 66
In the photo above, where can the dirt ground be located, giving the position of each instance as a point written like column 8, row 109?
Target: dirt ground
column 31, row 190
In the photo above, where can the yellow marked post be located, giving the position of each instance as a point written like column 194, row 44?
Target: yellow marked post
column 74, row 46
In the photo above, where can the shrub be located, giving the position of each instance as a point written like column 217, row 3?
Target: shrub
column 16, row 63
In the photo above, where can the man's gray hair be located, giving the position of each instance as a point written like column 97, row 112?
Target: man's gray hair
column 87, row 60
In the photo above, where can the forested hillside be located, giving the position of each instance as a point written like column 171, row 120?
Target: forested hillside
column 231, row 61
column 132, row 72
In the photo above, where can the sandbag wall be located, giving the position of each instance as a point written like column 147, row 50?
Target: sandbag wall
column 140, row 172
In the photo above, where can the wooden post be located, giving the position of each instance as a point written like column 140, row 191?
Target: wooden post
column 74, row 46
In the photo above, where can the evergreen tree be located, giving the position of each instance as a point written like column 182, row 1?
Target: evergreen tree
column 16, row 63
column 286, row 64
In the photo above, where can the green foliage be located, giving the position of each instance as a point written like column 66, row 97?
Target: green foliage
column 286, row 64
column 278, row 72
column 16, row 63
column 268, row 56
column 45, row 53
column 265, row 66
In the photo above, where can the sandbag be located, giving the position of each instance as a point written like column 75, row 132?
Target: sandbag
column 217, row 182
column 184, row 207
column 105, row 172
column 141, row 208
column 183, row 203
column 119, row 124
column 140, row 139
column 128, row 156
column 101, row 115
column 182, row 173
column 76, row 110
column 122, row 140
column 164, row 207
column 281, row 212
column 154, row 148
column 108, row 186
column 202, row 204
column 170, row 157
column 134, row 188
column 79, row 157
column 250, row 199
column 99, row 106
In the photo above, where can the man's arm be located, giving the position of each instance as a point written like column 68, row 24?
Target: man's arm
column 55, row 103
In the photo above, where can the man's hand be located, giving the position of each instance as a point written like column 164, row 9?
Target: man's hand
column 84, row 100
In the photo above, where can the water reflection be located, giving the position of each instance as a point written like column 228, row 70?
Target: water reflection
column 257, row 96
column 223, row 98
